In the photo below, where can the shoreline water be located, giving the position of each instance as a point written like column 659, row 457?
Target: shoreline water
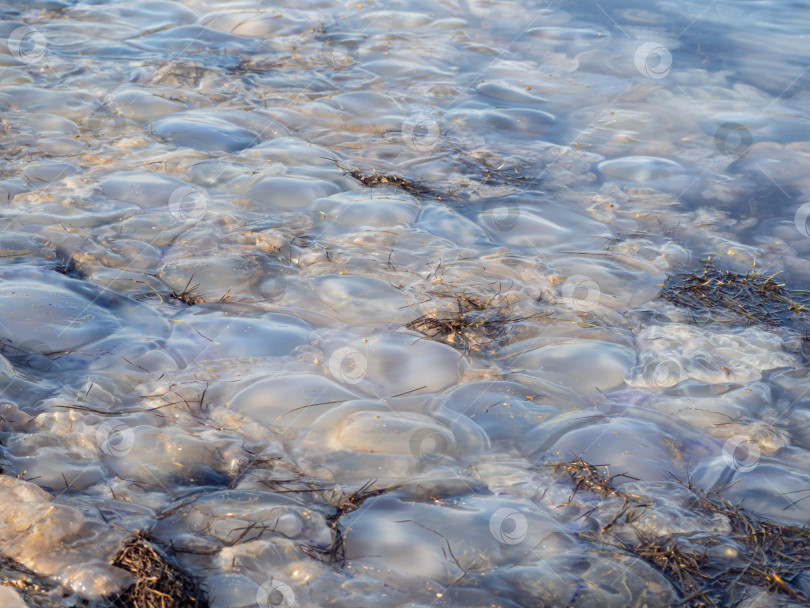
column 475, row 303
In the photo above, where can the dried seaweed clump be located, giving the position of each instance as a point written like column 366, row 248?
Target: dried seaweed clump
column 587, row 476
column 158, row 582
column 513, row 171
column 376, row 180
column 188, row 296
column 753, row 296
column 472, row 326
column 712, row 570
column 757, row 557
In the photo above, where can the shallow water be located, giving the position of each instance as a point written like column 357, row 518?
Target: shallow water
column 203, row 312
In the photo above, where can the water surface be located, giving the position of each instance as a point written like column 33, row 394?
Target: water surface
column 231, row 232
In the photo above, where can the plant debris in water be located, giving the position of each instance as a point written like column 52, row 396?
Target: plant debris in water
column 769, row 558
column 496, row 170
column 187, row 295
column 343, row 505
column 711, row 571
column 754, row 296
column 376, row 180
column 473, row 324
column 588, row 476
column 158, row 582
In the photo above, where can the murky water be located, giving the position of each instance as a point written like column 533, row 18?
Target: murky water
column 213, row 330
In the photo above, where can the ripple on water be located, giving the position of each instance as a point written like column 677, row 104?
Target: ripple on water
column 246, row 23
column 359, row 208
column 146, row 189
column 650, row 171
column 639, row 442
column 191, row 39
column 48, row 313
column 208, row 332
column 204, row 131
column 770, row 488
column 402, row 540
column 540, row 226
column 290, row 192
column 565, row 362
column 291, row 401
column 614, row 580
column 372, row 438
column 350, row 298
column 509, row 122
column 501, row 91
column 505, row 410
